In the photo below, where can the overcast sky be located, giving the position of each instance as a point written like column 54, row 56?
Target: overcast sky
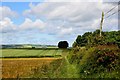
column 50, row 21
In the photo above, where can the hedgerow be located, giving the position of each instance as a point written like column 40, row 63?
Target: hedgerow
column 96, row 63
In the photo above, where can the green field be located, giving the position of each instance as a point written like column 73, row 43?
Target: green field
column 11, row 53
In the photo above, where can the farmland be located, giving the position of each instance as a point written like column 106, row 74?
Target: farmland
column 23, row 62
column 22, row 67
column 95, row 57
column 20, row 53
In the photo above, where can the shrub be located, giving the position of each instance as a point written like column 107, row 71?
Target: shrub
column 95, row 62
column 98, row 61
column 76, row 55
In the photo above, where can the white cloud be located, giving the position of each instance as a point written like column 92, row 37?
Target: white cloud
column 79, row 16
column 7, row 12
column 81, row 1
column 66, row 31
column 67, row 10
column 59, row 0
column 7, row 25
column 57, row 21
column 73, row 0
column 29, row 24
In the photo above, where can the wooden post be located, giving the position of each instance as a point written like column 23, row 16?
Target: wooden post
column 101, row 23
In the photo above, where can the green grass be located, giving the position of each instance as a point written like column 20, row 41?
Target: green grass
column 30, row 53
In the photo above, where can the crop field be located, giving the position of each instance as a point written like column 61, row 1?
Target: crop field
column 22, row 67
column 20, row 53
column 23, row 62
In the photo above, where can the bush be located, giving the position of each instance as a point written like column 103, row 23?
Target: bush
column 76, row 55
column 96, row 63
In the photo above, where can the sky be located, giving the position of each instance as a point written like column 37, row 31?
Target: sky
column 49, row 21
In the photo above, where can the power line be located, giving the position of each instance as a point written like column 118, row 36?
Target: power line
column 111, row 14
column 107, row 16
column 118, row 2
column 112, row 8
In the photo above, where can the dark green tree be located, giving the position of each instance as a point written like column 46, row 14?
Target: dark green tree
column 63, row 44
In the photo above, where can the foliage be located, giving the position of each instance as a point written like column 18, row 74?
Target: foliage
column 63, row 44
column 75, row 54
column 74, row 44
column 82, row 40
column 93, row 38
column 97, row 56
column 96, row 63
column 33, row 47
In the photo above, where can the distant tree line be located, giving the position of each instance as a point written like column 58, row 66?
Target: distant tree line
column 94, row 39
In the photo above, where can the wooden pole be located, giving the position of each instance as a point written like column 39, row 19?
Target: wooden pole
column 101, row 23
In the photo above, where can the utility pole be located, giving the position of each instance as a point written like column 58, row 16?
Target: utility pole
column 101, row 23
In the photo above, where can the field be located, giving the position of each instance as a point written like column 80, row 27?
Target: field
column 22, row 67
column 28, row 53
column 23, row 62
